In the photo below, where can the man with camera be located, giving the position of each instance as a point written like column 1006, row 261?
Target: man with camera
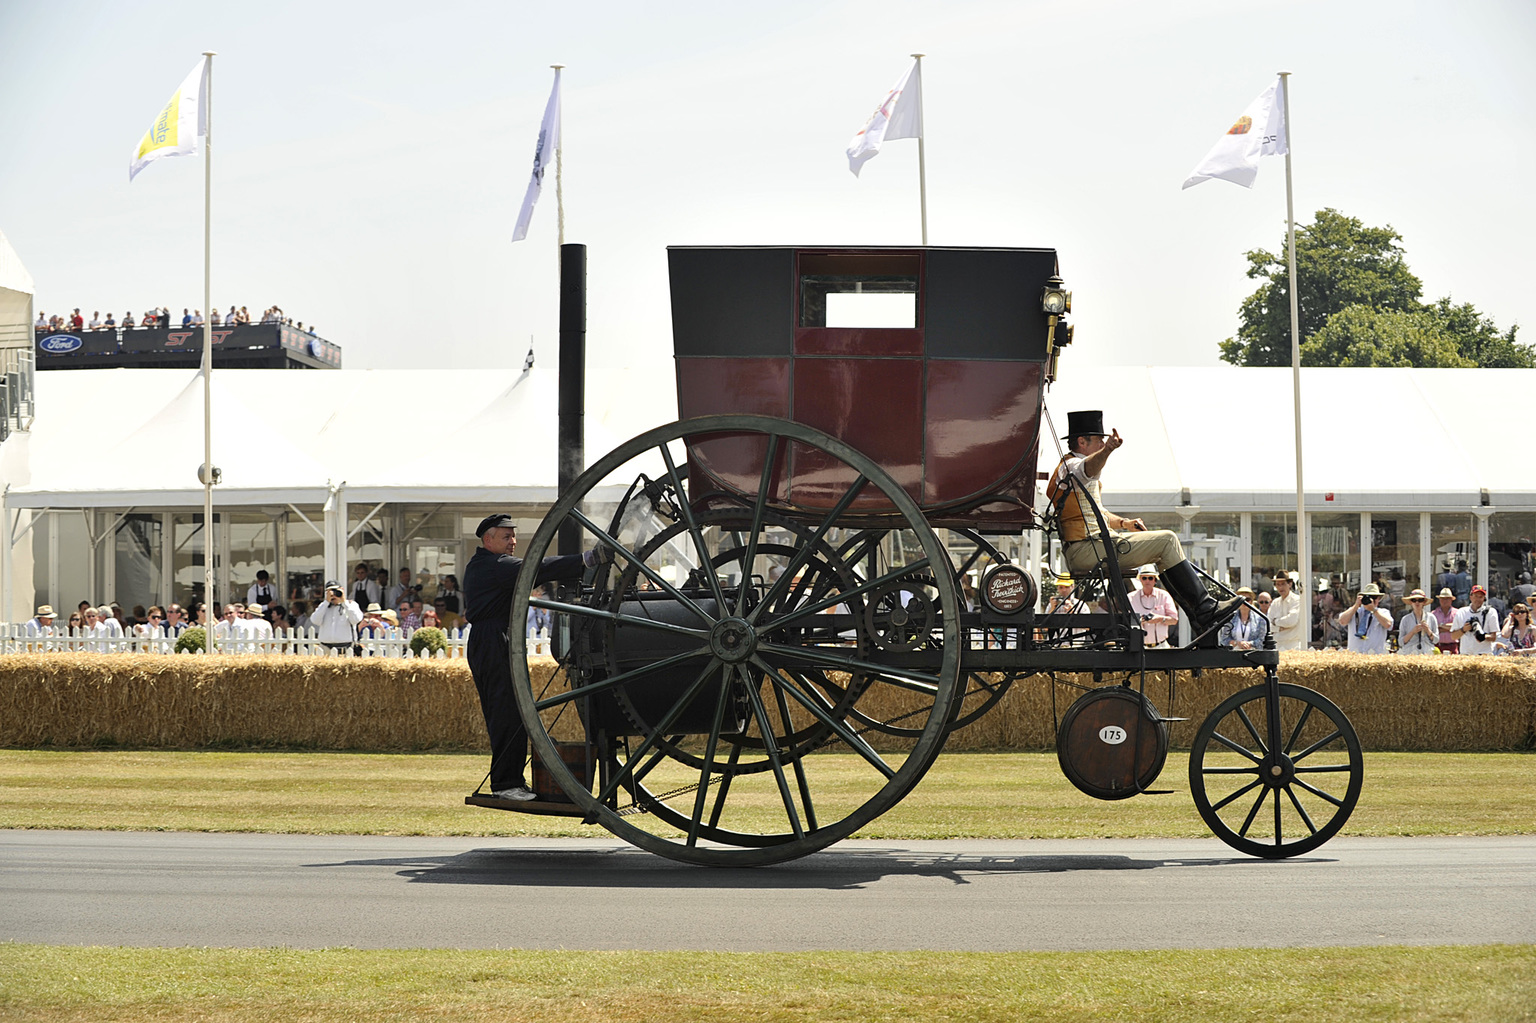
column 1153, row 606
column 335, row 620
column 1477, row 624
column 1365, row 623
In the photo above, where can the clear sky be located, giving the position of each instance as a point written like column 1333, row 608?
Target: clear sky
column 370, row 159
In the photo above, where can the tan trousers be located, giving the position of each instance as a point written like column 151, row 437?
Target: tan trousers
column 1160, row 547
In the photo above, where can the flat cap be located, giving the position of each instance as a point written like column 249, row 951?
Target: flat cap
column 498, row 521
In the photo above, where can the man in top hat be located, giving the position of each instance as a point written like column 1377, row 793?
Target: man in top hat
column 1366, row 623
column 1477, row 624
column 489, row 579
column 1418, row 632
column 1285, row 614
column 1089, row 448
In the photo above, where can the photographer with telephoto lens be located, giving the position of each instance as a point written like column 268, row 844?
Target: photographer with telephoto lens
column 1365, row 623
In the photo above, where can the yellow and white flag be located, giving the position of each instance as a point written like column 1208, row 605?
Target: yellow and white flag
column 178, row 127
column 899, row 116
column 1259, row 132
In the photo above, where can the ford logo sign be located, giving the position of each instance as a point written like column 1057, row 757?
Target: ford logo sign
column 59, row 344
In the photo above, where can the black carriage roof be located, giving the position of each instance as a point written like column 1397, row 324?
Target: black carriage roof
column 975, row 302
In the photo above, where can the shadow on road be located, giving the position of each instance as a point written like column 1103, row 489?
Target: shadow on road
column 835, row 870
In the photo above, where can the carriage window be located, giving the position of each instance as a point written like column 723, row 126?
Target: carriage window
column 854, row 290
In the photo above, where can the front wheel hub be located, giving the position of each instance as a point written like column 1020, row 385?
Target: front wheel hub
column 733, row 640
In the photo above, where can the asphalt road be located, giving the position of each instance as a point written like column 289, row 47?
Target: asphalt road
column 134, row 888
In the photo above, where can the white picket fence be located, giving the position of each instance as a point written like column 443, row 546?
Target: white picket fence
column 25, row 639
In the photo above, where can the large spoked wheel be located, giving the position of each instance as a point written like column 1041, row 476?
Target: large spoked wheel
column 717, row 662
column 1276, row 788
column 899, row 617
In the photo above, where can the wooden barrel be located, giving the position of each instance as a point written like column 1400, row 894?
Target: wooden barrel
column 580, row 759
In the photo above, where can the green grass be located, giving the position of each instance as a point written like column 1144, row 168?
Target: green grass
column 1440, row 984
column 976, row 795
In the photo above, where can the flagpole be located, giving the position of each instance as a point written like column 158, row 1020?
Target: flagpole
column 1302, row 560
column 208, row 352
column 559, row 191
column 922, row 164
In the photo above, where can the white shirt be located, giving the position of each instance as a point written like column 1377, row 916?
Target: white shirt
column 335, row 623
column 1160, row 604
column 1419, row 644
column 1490, row 621
column 1374, row 641
column 261, row 593
column 1285, row 616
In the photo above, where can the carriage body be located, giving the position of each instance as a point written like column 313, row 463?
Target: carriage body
column 931, row 361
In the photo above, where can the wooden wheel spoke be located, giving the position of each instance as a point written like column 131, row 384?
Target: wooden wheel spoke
column 1234, row 747
column 593, row 688
column 816, row 607
column 1248, row 821
column 906, row 678
column 771, row 747
column 1239, row 792
column 1243, row 715
column 1319, row 793
column 1229, row 770
column 809, row 700
column 1321, row 769
column 1278, row 839
column 725, row 785
column 634, row 559
column 619, row 618
column 1301, row 723
column 657, row 733
column 801, row 781
column 701, row 793
column 1319, row 744
column 1311, row 828
column 808, row 546
column 697, row 534
column 758, row 510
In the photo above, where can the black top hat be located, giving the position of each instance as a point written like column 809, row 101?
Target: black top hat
column 1085, row 424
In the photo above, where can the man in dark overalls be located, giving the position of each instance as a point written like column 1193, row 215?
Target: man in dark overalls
column 489, row 579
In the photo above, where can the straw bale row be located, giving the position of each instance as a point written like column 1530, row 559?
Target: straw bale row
column 1396, row 703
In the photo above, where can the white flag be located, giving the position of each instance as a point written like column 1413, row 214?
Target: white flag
column 183, row 121
column 1259, row 132
column 899, row 116
column 543, row 154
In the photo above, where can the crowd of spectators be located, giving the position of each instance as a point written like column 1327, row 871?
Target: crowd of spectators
column 1461, row 618
column 161, row 316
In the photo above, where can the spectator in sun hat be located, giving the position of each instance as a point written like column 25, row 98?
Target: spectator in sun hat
column 1366, row 623
column 1244, row 630
column 1477, row 624
column 1444, row 613
column 1418, row 632
column 1154, row 606
column 44, row 619
column 1518, row 636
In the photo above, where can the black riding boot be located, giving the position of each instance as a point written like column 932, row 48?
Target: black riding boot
column 1188, row 590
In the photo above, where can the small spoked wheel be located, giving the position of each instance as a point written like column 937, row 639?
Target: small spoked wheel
column 1276, row 785
column 719, row 663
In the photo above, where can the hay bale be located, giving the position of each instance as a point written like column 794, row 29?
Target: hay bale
column 376, row 703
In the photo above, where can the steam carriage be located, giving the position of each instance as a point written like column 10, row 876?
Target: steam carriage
column 859, row 430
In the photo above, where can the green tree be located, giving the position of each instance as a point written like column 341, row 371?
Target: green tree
column 1360, row 306
column 1358, row 335
column 1339, row 263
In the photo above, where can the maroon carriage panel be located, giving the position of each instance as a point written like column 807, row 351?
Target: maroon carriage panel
column 928, row 360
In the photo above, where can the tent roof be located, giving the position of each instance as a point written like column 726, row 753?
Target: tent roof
column 1379, row 439
column 1371, row 438
column 13, row 276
